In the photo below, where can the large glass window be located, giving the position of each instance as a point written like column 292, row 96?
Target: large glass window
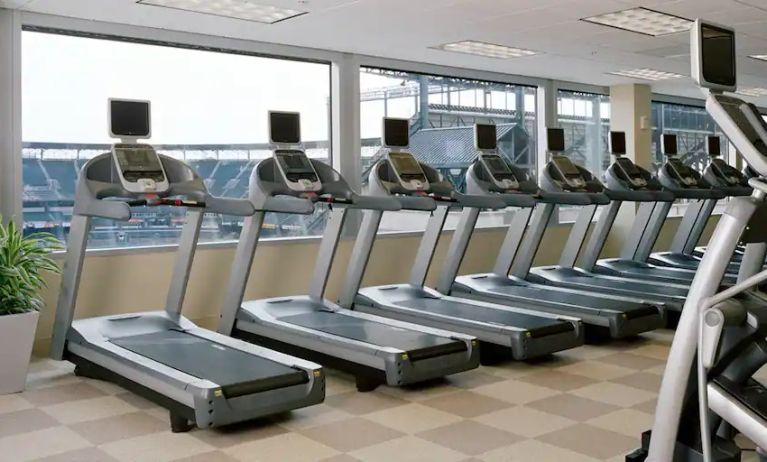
column 691, row 125
column 208, row 108
column 585, row 118
column 442, row 112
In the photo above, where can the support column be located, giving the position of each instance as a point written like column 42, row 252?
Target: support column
column 10, row 115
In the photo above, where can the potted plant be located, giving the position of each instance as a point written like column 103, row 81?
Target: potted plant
column 23, row 260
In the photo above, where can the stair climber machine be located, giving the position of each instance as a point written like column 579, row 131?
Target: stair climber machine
column 686, row 183
column 637, row 185
column 602, row 315
column 504, row 331
column 563, row 176
column 708, row 394
column 205, row 379
column 374, row 349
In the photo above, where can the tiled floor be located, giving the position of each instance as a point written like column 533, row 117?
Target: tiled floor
column 588, row 404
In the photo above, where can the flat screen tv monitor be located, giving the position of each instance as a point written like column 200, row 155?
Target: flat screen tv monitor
column 284, row 127
column 669, row 145
column 555, row 139
column 618, row 143
column 714, row 57
column 714, row 146
column 485, row 137
column 129, row 119
column 396, row 133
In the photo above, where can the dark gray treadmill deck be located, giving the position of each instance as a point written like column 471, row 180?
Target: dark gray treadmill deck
column 419, row 345
column 236, row 372
column 571, row 277
column 536, row 325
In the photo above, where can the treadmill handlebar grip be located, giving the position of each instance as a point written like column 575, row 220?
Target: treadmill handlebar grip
column 736, row 191
column 519, row 200
column 288, row 204
column 640, row 196
column 420, row 203
column 495, row 202
column 229, row 206
column 385, row 204
column 566, row 198
column 698, row 193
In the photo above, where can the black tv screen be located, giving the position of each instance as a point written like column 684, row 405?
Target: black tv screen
column 714, row 145
column 285, row 127
column 669, row 145
column 396, row 132
column 555, row 139
column 129, row 118
column 618, row 142
column 718, row 55
column 486, row 137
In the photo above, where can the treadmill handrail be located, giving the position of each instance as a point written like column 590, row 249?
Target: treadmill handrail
column 288, row 204
column 640, row 195
column 417, row 203
column 568, row 198
column 495, row 202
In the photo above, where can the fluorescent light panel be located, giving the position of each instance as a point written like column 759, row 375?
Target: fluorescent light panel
column 643, row 21
column 647, row 74
column 237, row 9
column 490, row 50
column 759, row 57
column 754, row 92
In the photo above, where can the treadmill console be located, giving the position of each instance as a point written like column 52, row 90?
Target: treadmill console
column 138, row 165
column 408, row 171
column 728, row 174
column 631, row 172
column 297, row 170
column 568, row 172
column 681, row 172
column 499, row 171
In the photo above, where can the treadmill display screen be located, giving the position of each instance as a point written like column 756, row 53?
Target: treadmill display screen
column 618, row 143
column 718, row 55
column 485, row 137
column 295, row 162
column 407, row 167
column 129, row 118
column 714, row 146
column 137, row 158
column 629, row 168
column 498, row 168
column 567, row 167
column 555, row 138
column 285, row 127
column 682, row 171
column 669, row 145
column 396, row 132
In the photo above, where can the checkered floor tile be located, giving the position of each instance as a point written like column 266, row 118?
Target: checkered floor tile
column 585, row 405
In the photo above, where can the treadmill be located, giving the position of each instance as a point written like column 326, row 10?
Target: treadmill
column 203, row 378
column 563, row 176
column 685, row 183
column 375, row 350
column 503, row 331
column 602, row 315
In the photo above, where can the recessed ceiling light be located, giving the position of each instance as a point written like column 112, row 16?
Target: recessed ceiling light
column 643, row 21
column 754, row 92
column 647, row 74
column 238, row 9
column 759, row 57
column 491, row 50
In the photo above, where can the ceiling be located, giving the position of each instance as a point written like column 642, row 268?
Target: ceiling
column 571, row 49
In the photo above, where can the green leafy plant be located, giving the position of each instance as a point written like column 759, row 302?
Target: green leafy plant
column 23, row 260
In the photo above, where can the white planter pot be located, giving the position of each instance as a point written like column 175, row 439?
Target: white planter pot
column 17, row 335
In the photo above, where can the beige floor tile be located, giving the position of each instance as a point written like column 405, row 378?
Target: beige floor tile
column 413, row 418
column 157, row 447
column 525, row 421
column 28, row 420
column 470, row 438
column 585, row 352
column 573, row 407
column 135, row 400
column 614, row 393
column 629, row 422
column 288, row 447
column 13, row 403
column 62, row 394
column 232, row 435
column 312, row 416
column 88, row 409
column 514, row 369
column 466, row 403
column 647, row 407
column 537, row 451
column 557, row 380
column 632, row 361
column 641, row 380
column 653, row 351
column 407, row 449
column 658, row 370
column 107, row 387
column 357, row 403
column 420, row 391
column 596, row 370
column 101, row 431
column 591, row 441
column 341, row 458
column 80, row 455
column 28, row 446
column 351, row 434
column 337, row 383
column 472, row 379
column 515, row 392
column 213, row 456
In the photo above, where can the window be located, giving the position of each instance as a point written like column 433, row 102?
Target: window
column 585, row 118
column 208, row 108
column 442, row 112
column 691, row 125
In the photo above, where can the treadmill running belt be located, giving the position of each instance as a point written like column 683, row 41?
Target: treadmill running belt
column 418, row 345
column 536, row 325
column 236, row 372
